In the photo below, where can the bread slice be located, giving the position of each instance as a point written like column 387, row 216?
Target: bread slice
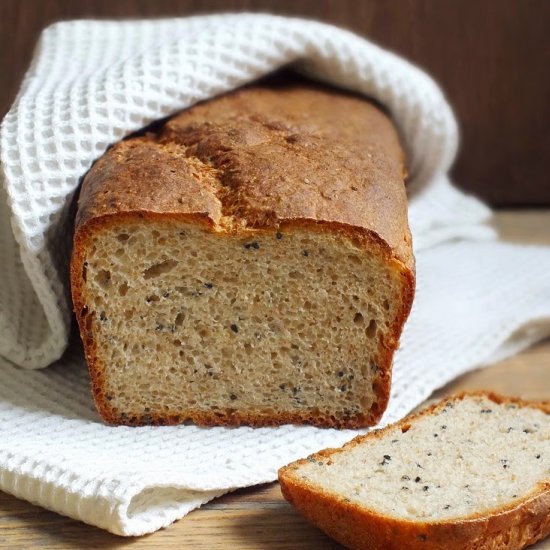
column 472, row 472
column 248, row 263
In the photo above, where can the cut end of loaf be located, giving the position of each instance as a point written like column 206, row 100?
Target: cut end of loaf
column 181, row 322
column 473, row 471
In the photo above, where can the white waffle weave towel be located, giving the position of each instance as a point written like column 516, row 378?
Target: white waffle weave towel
column 90, row 84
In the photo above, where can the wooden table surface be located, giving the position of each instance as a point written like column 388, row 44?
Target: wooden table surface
column 258, row 518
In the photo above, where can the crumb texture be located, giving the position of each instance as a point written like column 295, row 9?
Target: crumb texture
column 469, row 456
column 187, row 321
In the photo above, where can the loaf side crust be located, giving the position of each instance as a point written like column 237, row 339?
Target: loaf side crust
column 515, row 526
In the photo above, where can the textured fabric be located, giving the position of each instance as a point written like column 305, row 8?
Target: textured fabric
column 90, row 84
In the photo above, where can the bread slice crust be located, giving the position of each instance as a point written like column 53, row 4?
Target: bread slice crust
column 235, row 166
column 511, row 526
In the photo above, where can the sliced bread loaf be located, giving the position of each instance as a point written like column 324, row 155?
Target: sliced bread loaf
column 472, row 472
column 249, row 263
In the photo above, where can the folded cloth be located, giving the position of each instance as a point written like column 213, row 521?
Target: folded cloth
column 90, row 84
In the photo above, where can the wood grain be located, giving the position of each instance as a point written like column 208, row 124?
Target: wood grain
column 258, row 517
column 491, row 56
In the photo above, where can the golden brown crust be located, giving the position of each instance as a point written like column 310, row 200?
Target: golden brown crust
column 262, row 158
column 514, row 526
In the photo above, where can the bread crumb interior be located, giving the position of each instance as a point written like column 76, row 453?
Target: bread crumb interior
column 471, row 455
column 185, row 319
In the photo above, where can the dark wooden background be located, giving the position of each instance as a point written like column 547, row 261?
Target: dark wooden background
column 492, row 58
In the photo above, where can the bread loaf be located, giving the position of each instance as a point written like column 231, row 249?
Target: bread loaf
column 248, row 263
column 472, row 472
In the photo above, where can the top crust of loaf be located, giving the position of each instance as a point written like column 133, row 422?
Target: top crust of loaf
column 512, row 526
column 223, row 163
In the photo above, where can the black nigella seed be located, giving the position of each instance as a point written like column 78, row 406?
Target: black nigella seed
column 537, row 456
column 509, row 429
column 232, row 397
column 417, row 479
column 404, row 488
column 387, row 457
column 305, row 253
column 425, row 488
column 420, row 466
column 435, row 435
column 278, row 235
column 446, row 507
column 444, row 427
column 405, row 478
column 282, row 386
column 340, row 373
column 429, row 454
column 234, row 328
column 255, row 245
column 486, row 411
column 208, row 285
column 394, row 440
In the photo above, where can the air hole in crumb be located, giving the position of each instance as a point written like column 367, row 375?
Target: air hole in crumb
column 84, row 269
column 123, row 237
column 370, row 331
column 103, row 278
column 123, row 289
column 386, row 305
column 159, row 269
column 358, row 319
column 152, row 298
column 180, row 317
